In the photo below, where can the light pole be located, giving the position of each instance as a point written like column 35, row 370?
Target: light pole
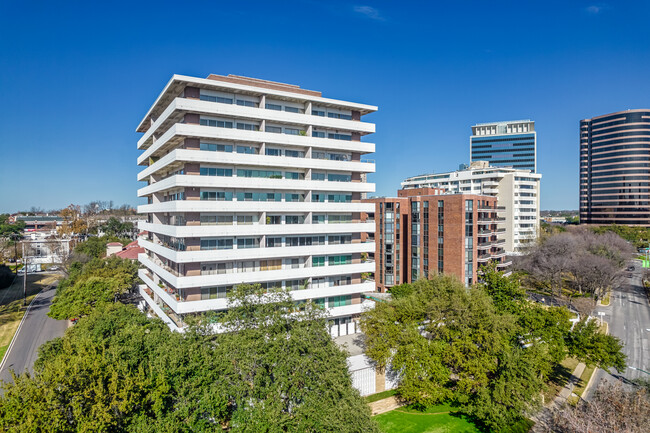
column 24, row 276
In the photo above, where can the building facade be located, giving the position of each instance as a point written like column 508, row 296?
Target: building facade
column 615, row 168
column 253, row 181
column 505, row 144
column 517, row 193
column 426, row 231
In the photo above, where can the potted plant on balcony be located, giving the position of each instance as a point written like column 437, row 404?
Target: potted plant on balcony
column 364, row 257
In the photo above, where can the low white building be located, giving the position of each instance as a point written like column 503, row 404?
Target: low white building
column 517, row 193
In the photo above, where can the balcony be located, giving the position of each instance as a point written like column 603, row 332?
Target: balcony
column 197, row 156
column 175, row 135
column 179, row 106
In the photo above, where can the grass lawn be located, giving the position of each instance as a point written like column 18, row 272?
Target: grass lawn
column 380, row 395
column 11, row 305
column 434, row 419
column 559, row 377
column 404, row 420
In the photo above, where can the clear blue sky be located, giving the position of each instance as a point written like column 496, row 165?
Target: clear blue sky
column 77, row 77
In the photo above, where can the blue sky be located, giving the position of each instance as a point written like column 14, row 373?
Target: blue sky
column 77, row 77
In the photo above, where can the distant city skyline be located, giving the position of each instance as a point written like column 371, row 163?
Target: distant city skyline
column 74, row 76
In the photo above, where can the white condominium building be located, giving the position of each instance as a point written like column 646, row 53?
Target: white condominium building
column 517, row 193
column 253, row 181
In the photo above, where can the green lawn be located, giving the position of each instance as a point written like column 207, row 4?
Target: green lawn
column 434, row 419
column 408, row 421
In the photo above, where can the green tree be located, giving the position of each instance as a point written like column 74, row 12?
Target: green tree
column 275, row 370
column 115, row 227
column 8, row 230
column 595, row 348
column 97, row 282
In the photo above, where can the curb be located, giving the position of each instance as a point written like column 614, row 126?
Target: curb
column 593, row 374
column 20, row 325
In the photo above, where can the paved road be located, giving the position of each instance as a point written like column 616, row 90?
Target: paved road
column 628, row 316
column 36, row 330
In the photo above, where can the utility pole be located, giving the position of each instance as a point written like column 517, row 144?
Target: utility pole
column 24, row 277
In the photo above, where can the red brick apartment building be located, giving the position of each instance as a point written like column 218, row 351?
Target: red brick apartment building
column 425, row 231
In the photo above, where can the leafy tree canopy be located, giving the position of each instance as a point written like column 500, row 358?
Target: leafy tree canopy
column 10, row 230
column 486, row 348
column 276, row 369
column 89, row 285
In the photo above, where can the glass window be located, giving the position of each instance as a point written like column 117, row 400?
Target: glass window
column 245, row 103
column 248, row 243
column 332, row 177
column 320, row 113
column 319, row 134
column 292, row 109
column 274, row 129
column 274, row 107
column 294, row 154
column 247, row 149
column 338, row 136
column 216, row 147
column 317, row 262
column 318, row 176
column 318, row 219
column 244, row 219
column 247, row 126
column 273, row 152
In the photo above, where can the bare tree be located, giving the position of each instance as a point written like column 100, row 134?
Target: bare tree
column 613, row 409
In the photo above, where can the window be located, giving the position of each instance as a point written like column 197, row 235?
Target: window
column 318, row 113
column 294, row 219
column 340, row 239
column 293, row 263
column 274, row 107
column 339, row 301
column 274, row 219
column 216, row 147
column 274, row 129
column 216, row 195
column 273, row 152
column 209, row 220
column 247, row 149
column 215, row 99
column 292, row 109
column 215, row 292
column 317, row 262
column 317, row 197
column 244, row 220
column 273, row 242
column 216, row 244
column 339, row 198
column 217, row 123
column 245, row 103
column 248, row 243
column 337, row 136
column 318, row 219
column 271, row 265
column 292, row 131
column 318, row 176
column 339, row 116
column 248, row 266
column 339, row 219
column 293, row 175
column 319, row 134
column 259, row 196
column 247, row 126
column 259, row 173
column 339, row 260
column 294, row 154
column 339, row 177
column 294, row 197
column 209, row 171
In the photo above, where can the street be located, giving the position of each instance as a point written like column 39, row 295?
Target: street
column 37, row 329
column 628, row 316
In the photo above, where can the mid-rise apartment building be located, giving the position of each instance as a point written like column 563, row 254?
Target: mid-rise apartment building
column 253, row 181
column 426, row 231
column 517, row 192
column 505, row 144
column 615, row 168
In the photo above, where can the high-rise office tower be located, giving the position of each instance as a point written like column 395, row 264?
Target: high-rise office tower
column 615, row 168
column 505, row 144
column 254, row 181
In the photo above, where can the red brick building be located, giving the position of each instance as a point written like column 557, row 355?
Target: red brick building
column 425, row 231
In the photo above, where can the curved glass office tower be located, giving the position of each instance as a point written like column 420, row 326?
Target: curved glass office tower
column 615, row 168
